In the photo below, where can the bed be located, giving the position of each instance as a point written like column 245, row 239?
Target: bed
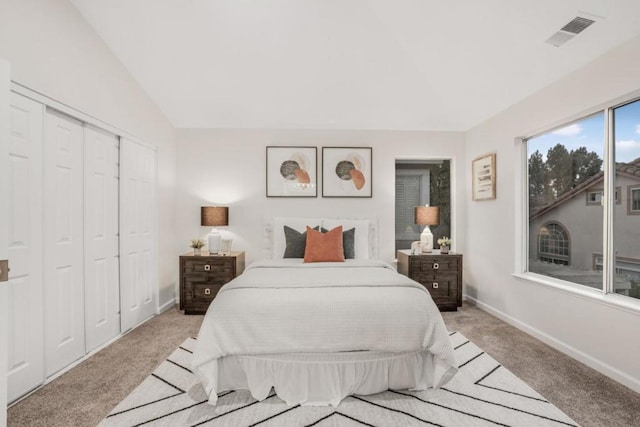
column 317, row 332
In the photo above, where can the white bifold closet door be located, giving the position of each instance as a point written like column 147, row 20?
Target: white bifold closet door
column 25, row 332
column 4, row 229
column 63, row 242
column 101, row 236
column 138, row 270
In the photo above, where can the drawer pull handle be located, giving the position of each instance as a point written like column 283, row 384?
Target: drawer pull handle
column 207, row 267
column 435, row 285
column 436, row 266
column 207, row 291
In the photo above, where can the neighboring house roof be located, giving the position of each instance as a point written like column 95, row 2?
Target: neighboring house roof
column 631, row 170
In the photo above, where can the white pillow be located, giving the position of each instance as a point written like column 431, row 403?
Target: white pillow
column 298, row 224
column 361, row 247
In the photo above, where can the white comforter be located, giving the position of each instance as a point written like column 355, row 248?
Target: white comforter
column 287, row 306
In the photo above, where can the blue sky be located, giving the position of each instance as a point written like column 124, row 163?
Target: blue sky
column 589, row 133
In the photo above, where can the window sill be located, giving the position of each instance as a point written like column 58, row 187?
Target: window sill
column 619, row 302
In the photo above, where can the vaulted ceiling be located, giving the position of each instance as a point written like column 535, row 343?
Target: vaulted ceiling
column 350, row 64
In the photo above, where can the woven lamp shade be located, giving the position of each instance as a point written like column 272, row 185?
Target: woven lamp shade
column 214, row 215
column 427, row 215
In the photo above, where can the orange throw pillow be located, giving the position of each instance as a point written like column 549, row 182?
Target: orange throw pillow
column 324, row 247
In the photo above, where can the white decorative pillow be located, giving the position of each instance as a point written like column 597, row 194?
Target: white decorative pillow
column 298, row 224
column 362, row 233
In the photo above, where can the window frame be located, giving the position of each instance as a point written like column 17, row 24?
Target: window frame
column 630, row 190
column 605, row 295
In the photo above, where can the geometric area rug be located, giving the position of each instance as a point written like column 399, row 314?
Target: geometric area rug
column 482, row 393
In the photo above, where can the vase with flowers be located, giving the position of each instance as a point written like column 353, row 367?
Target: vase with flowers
column 445, row 244
column 197, row 246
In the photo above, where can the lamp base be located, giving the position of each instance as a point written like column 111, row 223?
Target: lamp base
column 426, row 240
column 214, row 241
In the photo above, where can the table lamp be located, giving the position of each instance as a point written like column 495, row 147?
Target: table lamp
column 214, row 216
column 427, row 215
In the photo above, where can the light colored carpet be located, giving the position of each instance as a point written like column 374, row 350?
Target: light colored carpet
column 483, row 393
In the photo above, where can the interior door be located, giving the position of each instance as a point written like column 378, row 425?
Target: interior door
column 138, row 280
column 101, row 236
column 25, row 346
column 4, row 219
column 63, row 242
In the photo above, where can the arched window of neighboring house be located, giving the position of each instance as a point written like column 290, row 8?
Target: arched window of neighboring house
column 553, row 244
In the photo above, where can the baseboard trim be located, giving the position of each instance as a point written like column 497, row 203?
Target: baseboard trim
column 166, row 306
column 598, row 365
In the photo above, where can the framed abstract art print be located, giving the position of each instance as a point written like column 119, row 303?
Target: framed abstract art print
column 292, row 171
column 346, row 172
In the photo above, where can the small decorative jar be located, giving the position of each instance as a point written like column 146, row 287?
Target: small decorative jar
column 444, row 249
column 225, row 246
column 197, row 251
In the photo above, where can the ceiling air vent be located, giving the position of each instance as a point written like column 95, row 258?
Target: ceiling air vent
column 566, row 33
column 577, row 25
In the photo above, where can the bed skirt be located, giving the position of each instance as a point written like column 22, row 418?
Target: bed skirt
column 322, row 379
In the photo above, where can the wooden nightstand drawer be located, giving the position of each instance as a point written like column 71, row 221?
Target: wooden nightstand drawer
column 210, row 266
column 202, row 277
column 434, row 263
column 199, row 295
column 440, row 274
column 443, row 289
column 201, row 282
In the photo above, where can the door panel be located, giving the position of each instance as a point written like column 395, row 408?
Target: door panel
column 63, row 242
column 26, row 350
column 139, row 282
column 4, row 220
column 101, row 244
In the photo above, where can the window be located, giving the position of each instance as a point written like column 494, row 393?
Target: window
column 626, row 224
column 633, row 200
column 566, row 167
column 594, row 197
column 553, row 244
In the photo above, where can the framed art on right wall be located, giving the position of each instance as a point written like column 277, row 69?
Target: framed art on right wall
column 483, row 176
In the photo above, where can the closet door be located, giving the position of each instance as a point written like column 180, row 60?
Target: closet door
column 63, row 243
column 101, row 263
column 139, row 282
column 4, row 255
column 26, row 350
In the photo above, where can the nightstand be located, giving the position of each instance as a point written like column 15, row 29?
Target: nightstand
column 202, row 276
column 441, row 274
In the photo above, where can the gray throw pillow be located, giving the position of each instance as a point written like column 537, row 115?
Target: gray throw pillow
column 295, row 242
column 348, row 242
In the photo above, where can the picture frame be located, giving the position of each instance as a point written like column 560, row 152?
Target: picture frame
column 483, row 175
column 347, row 172
column 292, row 171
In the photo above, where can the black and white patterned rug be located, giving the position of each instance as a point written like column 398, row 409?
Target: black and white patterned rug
column 483, row 393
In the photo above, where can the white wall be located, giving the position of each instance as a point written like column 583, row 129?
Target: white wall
column 52, row 50
column 599, row 334
column 227, row 167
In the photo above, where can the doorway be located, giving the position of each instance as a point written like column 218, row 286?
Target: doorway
column 418, row 183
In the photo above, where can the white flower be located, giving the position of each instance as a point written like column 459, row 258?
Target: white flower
column 444, row 241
